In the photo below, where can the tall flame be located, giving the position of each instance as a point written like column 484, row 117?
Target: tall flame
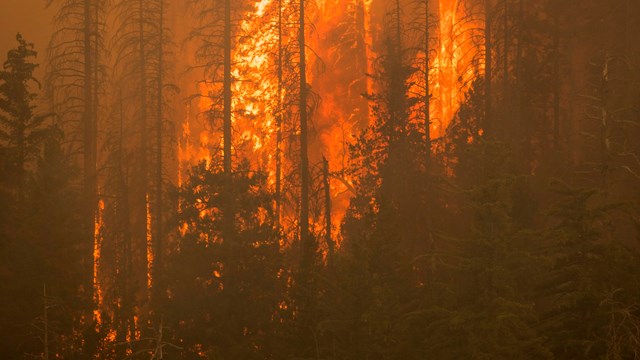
column 97, row 248
column 456, row 62
column 149, row 245
column 344, row 39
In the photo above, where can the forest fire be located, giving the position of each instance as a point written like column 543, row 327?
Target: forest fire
column 339, row 79
column 322, row 179
column 97, row 248
column 258, row 94
column 456, row 64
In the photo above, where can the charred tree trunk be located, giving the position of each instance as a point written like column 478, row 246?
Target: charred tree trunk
column 232, row 267
column 398, row 28
column 125, row 288
column 45, row 335
column 157, row 266
column 488, row 115
column 427, row 94
column 522, row 119
column 304, row 141
column 557, row 83
column 327, row 209
column 506, row 99
column 279, row 112
column 140, row 190
column 304, row 297
column 227, row 87
column 89, row 139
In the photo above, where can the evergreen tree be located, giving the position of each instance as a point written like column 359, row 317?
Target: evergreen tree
column 590, row 282
column 75, row 89
column 374, row 288
column 489, row 312
column 40, row 211
column 21, row 131
column 225, row 286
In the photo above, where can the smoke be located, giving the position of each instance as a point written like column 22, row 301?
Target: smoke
column 32, row 20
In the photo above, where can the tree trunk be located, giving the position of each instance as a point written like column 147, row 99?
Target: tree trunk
column 157, row 266
column 304, row 157
column 304, row 286
column 89, row 141
column 232, row 267
column 227, row 87
column 557, row 83
column 399, row 28
column 45, row 341
column 279, row 112
column 125, row 262
column 141, row 209
column 427, row 94
column 327, row 209
column 488, row 115
column 506, row 99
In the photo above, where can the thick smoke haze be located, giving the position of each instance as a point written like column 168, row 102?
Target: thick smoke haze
column 31, row 19
column 320, row 179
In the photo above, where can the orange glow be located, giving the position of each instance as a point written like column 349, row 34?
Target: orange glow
column 185, row 149
column 341, row 113
column 97, row 246
column 371, row 55
column 149, row 246
column 456, row 62
column 344, row 38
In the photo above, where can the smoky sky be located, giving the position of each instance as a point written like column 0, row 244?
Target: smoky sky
column 29, row 17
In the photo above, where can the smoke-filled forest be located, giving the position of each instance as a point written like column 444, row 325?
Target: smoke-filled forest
column 320, row 179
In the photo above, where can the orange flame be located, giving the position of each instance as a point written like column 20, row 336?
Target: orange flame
column 337, row 67
column 97, row 246
column 456, row 62
column 149, row 245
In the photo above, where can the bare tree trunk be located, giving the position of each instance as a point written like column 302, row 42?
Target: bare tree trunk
column 557, row 83
column 488, row 115
column 141, row 209
column 96, row 78
column 304, row 151
column 327, row 209
column 143, row 88
column 399, row 28
column 46, row 323
column 125, row 266
column 227, row 87
column 427, row 94
column 507, row 39
column 505, row 75
column 89, row 141
column 159, row 243
column 522, row 120
column 279, row 113
column 232, row 267
column 304, row 284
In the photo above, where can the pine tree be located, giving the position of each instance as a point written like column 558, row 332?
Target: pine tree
column 224, row 282
column 74, row 86
column 134, row 188
column 21, row 130
column 587, row 286
column 489, row 126
column 40, row 210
